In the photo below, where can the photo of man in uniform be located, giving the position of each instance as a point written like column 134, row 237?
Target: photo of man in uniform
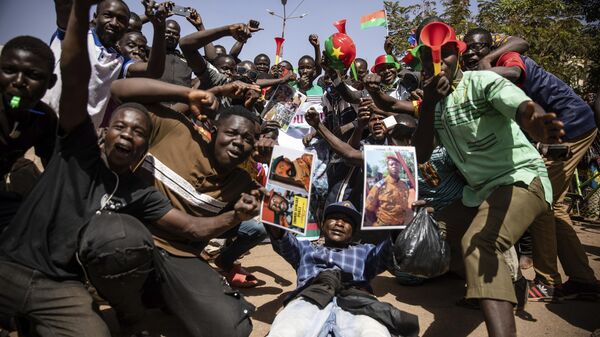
column 388, row 202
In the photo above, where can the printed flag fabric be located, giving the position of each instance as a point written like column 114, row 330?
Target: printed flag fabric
column 373, row 20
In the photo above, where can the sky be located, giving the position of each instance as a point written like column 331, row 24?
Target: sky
column 37, row 18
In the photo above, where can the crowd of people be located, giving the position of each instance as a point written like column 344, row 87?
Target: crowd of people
column 121, row 162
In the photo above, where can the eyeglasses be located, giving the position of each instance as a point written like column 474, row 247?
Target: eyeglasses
column 251, row 74
column 477, row 46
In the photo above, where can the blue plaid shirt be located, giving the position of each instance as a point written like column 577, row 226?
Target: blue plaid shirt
column 362, row 261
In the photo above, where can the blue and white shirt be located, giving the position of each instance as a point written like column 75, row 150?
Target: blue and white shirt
column 107, row 66
column 362, row 261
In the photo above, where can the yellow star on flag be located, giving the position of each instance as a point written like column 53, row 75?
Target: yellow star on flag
column 337, row 52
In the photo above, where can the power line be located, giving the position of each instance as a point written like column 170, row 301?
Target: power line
column 292, row 13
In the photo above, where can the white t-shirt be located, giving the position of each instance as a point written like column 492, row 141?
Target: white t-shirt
column 107, row 66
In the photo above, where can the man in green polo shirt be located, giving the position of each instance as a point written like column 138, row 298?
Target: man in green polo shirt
column 478, row 117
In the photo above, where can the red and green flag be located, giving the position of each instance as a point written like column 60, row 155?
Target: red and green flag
column 376, row 19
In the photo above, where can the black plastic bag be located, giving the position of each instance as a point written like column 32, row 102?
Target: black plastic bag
column 420, row 250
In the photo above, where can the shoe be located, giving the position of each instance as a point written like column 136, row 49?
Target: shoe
column 577, row 290
column 540, row 292
column 521, row 287
column 240, row 278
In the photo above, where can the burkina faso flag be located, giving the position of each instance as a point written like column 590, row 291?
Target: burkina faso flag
column 340, row 51
column 373, row 20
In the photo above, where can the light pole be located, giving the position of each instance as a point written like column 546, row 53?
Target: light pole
column 284, row 19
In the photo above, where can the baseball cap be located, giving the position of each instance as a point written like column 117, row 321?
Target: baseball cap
column 344, row 207
column 384, row 59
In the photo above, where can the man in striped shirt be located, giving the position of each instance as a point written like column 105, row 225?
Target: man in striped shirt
column 478, row 117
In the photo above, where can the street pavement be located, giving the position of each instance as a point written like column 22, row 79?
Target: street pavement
column 434, row 302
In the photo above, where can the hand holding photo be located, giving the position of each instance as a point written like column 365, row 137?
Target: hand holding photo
column 283, row 105
column 390, row 186
column 289, row 184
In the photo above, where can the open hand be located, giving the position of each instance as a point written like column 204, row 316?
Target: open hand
column 238, row 89
column 542, row 127
column 194, row 18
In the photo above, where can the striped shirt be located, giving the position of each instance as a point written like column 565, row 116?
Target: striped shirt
column 476, row 125
column 180, row 165
column 362, row 261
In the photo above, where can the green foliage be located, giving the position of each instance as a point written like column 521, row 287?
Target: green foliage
column 560, row 38
column 458, row 15
column 403, row 20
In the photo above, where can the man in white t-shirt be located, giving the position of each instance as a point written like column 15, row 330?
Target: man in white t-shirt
column 110, row 23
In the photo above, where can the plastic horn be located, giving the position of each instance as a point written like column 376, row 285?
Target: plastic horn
column 434, row 36
column 340, row 25
column 279, row 43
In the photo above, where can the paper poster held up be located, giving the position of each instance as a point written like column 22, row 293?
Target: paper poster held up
column 289, row 185
column 390, row 186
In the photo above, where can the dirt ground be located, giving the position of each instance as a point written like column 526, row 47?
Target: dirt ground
column 433, row 302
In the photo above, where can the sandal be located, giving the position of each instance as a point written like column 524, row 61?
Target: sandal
column 240, row 278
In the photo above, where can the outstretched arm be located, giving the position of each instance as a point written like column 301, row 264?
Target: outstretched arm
column 206, row 228
column 540, row 125
column 388, row 104
column 75, row 68
column 513, row 43
column 236, row 49
column 264, row 82
column 196, row 20
column 155, row 66
column 313, row 39
column 350, row 154
column 191, row 43
column 63, row 11
column 148, row 91
column 434, row 89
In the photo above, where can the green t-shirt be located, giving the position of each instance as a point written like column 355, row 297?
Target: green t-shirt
column 315, row 90
column 476, row 125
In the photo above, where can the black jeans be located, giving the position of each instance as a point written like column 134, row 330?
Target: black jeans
column 124, row 266
column 51, row 308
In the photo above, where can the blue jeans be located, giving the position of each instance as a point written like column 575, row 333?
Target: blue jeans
column 248, row 234
column 301, row 318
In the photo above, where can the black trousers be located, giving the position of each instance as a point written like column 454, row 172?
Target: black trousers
column 123, row 264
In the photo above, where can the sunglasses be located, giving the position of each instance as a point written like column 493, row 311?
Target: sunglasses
column 251, row 74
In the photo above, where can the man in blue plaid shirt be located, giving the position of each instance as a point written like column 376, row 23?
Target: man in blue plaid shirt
column 358, row 263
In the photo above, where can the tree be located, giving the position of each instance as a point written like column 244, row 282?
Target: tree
column 554, row 29
column 403, row 21
column 458, row 15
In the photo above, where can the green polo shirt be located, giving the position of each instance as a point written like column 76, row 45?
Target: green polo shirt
column 476, row 125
